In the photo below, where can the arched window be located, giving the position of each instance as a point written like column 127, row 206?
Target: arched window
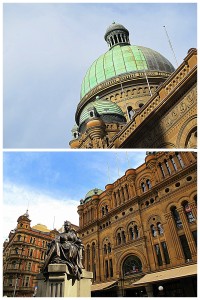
column 162, row 170
column 176, row 217
column 136, row 232
column 188, row 212
column 105, row 249
column 103, row 211
column 153, row 230
column 106, row 208
column 93, row 252
column 173, row 163
column 168, row 167
column 131, row 112
column 123, row 237
column 19, row 238
column 160, row 229
column 119, row 240
column 109, row 248
column 143, row 186
column 131, row 265
column 180, row 159
column 131, row 232
column 149, row 184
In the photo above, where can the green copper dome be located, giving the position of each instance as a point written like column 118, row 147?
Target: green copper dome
column 122, row 59
column 91, row 193
column 102, row 107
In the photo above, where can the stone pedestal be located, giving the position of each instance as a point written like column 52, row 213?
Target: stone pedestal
column 61, row 283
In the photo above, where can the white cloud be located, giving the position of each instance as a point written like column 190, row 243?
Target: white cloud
column 42, row 208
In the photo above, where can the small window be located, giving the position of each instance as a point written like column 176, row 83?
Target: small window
column 160, row 228
column 188, row 212
column 149, row 184
column 153, row 230
column 185, row 247
column 143, row 186
column 165, row 252
column 158, row 253
column 176, row 217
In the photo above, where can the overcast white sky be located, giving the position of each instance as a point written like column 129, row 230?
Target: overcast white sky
column 49, row 47
column 51, row 184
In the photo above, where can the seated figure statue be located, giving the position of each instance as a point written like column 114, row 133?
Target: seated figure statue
column 65, row 249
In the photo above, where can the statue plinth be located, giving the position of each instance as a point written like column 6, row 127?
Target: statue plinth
column 61, row 283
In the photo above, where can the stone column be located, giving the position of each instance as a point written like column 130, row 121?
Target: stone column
column 188, row 233
column 173, row 236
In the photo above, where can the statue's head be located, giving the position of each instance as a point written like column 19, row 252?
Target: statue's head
column 67, row 225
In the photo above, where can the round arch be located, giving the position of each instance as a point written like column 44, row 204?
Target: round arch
column 136, row 253
column 131, row 265
column 185, row 131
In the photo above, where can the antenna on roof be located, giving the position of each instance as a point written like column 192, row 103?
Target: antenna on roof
column 145, row 73
column 125, row 101
column 53, row 222
column 170, row 44
column 117, row 163
column 108, row 173
column 128, row 160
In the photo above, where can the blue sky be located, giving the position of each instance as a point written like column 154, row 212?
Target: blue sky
column 49, row 47
column 51, row 184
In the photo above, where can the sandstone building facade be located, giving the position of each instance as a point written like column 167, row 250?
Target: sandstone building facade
column 140, row 233
column 23, row 256
column 128, row 90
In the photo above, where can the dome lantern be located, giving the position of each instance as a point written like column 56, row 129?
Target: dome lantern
column 116, row 34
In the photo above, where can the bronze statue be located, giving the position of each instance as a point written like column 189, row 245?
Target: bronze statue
column 65, row 249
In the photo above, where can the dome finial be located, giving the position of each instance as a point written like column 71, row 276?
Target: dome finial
column 117, row 34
